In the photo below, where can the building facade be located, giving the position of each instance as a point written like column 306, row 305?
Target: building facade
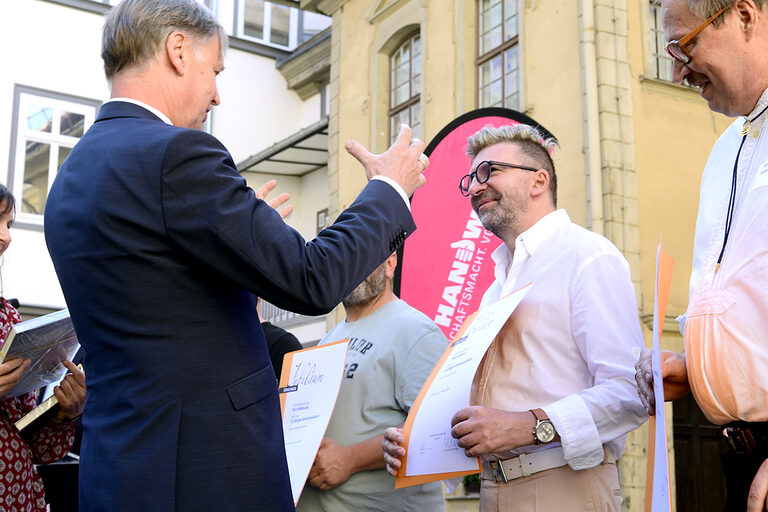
column 594, row 72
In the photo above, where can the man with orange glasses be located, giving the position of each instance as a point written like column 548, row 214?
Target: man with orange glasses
column 719, row 46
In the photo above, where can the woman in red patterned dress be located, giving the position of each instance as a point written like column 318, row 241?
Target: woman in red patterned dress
column 21, row 488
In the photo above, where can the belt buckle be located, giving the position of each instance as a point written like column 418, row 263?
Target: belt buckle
column 740, row 439
column 497, row 471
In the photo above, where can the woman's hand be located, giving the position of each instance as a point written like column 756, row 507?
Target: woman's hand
column 10, row 373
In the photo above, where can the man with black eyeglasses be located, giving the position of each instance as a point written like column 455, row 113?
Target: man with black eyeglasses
column 721, row 47
column 555, row 394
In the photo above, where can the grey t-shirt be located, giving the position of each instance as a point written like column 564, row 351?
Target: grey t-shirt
column 391, row 353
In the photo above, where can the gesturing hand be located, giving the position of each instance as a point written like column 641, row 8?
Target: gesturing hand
column 404, row 161
column 278, row 201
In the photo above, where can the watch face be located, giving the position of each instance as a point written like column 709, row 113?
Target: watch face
column 545, row 431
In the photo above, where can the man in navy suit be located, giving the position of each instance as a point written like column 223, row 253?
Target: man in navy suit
column 162, row 249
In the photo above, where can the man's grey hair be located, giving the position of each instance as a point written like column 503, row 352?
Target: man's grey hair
column 136, row 30
column 531, row 142
column 705, row 8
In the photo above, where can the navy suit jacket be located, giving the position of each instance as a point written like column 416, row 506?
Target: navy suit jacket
column 161, row 249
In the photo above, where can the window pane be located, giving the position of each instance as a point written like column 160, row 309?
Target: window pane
column 496, row 93
column 513, row 102
column 72, row 124
column 395, row 122
column 416, row 119
column 39, row 118
column 510, row 19
column 490, row 27
column 280, row 24
column 35, row 177
column 400, row 95
column 253, row 24
column 315, row 23
column 63, row 154
column 662, row 62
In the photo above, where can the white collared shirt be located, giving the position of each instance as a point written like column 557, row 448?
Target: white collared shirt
column 152, row 109
column 570, row 346
column 726, row 325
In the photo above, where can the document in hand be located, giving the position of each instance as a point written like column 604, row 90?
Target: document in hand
column 46, row 341
column 431, row 452
column 309, row 385
column 658, row 495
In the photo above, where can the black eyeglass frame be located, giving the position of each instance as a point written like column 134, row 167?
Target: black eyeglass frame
column 490, row 164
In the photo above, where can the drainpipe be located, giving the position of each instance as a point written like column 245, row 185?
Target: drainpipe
column 592, row 150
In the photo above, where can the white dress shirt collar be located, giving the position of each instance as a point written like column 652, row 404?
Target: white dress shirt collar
column 152, row 109
column 529, row 241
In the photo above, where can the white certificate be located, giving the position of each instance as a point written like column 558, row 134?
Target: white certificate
column 309, row 386
column 430, row 447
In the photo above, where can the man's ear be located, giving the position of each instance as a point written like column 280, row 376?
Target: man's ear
column 176, row 49
column 391, row 265
column 748, row 13
column 540, row 183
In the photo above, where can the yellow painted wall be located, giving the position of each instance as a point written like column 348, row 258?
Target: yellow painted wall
column 553, row 92
column 674, row 132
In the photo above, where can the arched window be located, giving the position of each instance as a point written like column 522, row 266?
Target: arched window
column 498, row 69
column 405, row 87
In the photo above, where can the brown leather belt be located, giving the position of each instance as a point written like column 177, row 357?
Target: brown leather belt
column 746, row 438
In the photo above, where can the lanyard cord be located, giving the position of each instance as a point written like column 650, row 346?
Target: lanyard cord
column 732, row 199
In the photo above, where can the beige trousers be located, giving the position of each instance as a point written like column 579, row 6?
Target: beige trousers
column 555, row 490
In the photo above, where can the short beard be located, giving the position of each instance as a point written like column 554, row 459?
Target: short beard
column 501, row 220
column 369, row 290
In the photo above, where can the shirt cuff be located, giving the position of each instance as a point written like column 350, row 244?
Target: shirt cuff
column 581, row 442
column 397, row 188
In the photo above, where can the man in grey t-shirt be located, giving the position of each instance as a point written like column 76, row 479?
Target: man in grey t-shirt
column 392, row 349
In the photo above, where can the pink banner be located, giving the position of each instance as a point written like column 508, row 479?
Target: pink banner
column 446, row 264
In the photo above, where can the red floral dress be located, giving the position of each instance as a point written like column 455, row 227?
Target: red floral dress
column 21, row 488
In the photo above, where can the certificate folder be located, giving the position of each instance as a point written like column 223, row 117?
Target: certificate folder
column 46, row 341
column 38, row 414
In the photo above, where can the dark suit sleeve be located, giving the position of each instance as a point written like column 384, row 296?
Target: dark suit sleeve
column 212, row 215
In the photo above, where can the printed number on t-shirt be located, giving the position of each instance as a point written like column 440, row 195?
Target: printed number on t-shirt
column 349, row 370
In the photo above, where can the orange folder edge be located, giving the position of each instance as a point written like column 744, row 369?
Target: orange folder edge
column 406, row 481
column 663, row 286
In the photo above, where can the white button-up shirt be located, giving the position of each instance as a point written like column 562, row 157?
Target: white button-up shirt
column 570, row 346
column 726, row 324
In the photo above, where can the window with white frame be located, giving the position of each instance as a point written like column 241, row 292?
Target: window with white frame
column 498, row 63
column 405, row 87
column 46, row 127
column 661, row 62
column 277, row 25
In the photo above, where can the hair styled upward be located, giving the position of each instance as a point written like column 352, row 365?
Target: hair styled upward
column 135, row 30
column 527, row 138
